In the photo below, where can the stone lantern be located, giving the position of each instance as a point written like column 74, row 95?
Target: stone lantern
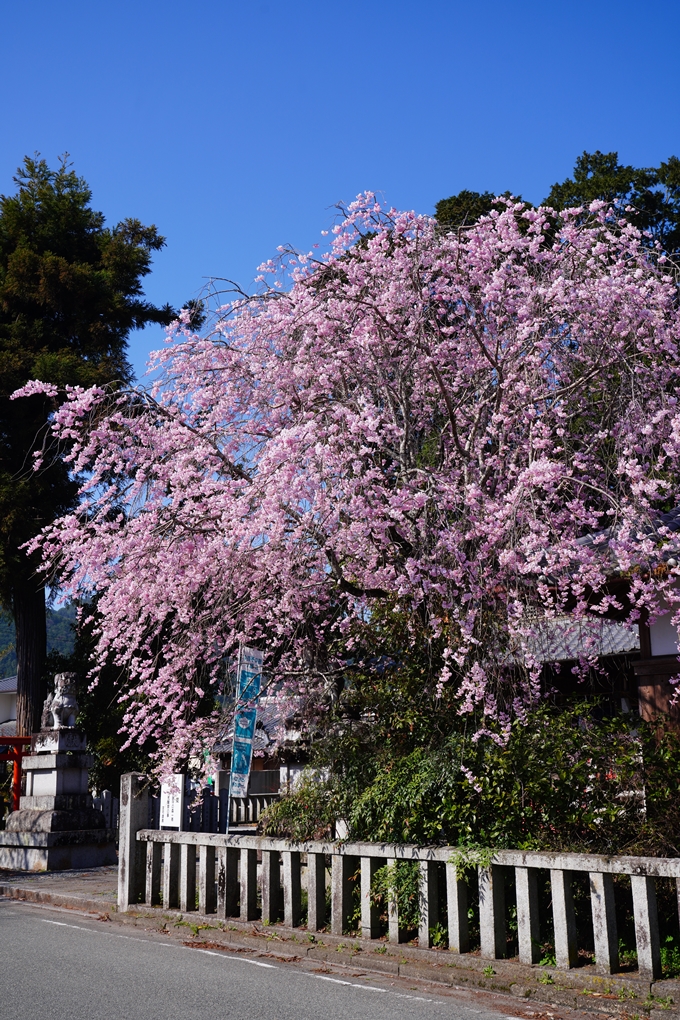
column 56, row 826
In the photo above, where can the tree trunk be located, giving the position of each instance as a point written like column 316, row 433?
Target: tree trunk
column 31, row 645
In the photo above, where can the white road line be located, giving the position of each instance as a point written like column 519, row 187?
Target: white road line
column 168, row 945
column 245, row 959
column 366, row 988
column 351, row 984
column 110, row 934
column 239, row 959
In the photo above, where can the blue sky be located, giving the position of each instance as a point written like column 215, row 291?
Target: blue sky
column 236, row 127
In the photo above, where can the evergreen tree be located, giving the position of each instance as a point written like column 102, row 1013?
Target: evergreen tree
column 647, row 196
column 463, row 209
column 70, row 293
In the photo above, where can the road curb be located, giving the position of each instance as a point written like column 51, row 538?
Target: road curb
column 65, row 900
column 621, row 995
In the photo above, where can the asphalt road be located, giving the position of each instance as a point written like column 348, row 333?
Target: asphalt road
column 56, row 965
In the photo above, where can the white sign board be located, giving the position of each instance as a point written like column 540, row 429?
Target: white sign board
column 172, row 802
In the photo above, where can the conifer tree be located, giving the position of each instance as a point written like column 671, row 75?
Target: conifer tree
column 70, row 293
column 649, row 197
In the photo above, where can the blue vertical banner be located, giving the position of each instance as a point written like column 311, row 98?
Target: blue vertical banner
column 249, row 682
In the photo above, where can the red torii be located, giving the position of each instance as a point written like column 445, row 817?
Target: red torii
column 15, row 752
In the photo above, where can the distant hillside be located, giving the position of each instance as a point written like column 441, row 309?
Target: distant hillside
column 60, row 637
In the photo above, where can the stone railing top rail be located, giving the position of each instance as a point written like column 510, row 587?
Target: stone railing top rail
column 656, row 867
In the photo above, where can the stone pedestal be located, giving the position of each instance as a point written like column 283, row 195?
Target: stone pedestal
column 56, row 826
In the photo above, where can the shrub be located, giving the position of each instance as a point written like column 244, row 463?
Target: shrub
column 564, row 781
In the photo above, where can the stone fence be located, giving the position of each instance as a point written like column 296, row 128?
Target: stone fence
column 246, row 810
column 109, row 805
column 223, row 875
column 208, row 813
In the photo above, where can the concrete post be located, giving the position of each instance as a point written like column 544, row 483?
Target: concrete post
column 456, row 906
column 492, row 912
column 341, row 892
column 248, row 867
column 171, row 875
column 271, row 886
column 292, row 899
column 206, row 880
column 604, row 922
column 528, row 931
column 227, row 882
column 107, row 806
column 153, row 873
column 428, row 901
column 187, row 877
column 564, row 920
column 316, row 891
column 370, row 915
column 646, row 927
column 134, row 814
column 394, row 931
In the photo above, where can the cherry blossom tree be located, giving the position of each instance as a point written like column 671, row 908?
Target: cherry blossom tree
column 479, row 427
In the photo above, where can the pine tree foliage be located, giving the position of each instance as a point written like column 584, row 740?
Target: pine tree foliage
column 649, row 197
column 70, row 293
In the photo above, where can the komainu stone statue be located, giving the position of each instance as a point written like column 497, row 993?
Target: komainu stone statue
column 60, row 708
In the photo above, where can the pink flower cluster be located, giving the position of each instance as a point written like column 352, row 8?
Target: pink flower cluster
column 439, row 419
column 34, row 387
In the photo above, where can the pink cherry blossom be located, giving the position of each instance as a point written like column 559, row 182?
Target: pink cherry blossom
column 444, row 420
column 35, row 387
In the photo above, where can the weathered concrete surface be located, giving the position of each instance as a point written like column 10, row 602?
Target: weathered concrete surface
column 93, row 890
column 646, row 926
column 134, row 808
column 526, row 885
column 660, row 867
column 87, row 851
column 604, row 922
column 33, row 820
column 564, row 920
column 492, row 912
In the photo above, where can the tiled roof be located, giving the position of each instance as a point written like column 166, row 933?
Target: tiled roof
column 8, row 685
column 648, row 528
column 563, row 639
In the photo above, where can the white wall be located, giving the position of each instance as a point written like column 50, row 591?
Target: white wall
column 8, row 707
column 663, row 637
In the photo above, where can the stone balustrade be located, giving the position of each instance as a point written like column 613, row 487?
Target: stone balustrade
column 222, row 875
column 245, row 810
